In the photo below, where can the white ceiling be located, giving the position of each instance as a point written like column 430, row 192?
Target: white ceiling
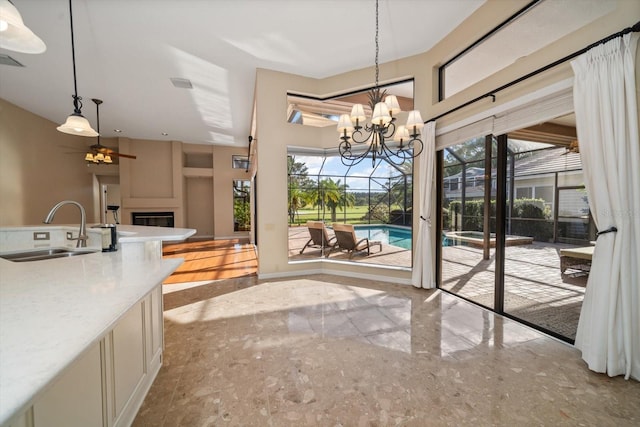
column 126, row 51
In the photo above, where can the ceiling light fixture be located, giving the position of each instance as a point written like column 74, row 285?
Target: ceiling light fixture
column 406, row 144
column 14, row 35
column 76, row 124
column 97, row 156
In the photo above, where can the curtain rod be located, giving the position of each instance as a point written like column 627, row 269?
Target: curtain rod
column 635, row 28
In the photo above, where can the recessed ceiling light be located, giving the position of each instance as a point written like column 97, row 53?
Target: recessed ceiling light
column 117, row 130
column 181, row 83
column 165, row 134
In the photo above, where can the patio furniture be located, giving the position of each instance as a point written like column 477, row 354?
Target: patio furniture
column 347, row 240
column 319, row 236
column 576, row 258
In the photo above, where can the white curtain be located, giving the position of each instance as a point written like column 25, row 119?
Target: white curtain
column 423, row 274
column 606, row 109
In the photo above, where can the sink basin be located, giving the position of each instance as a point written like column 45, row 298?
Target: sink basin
column 48, row 253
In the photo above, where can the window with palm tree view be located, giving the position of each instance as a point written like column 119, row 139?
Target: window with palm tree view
column 376, row 199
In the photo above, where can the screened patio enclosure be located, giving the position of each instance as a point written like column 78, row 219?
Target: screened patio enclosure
column 516, row 231
column 321, row 188
column 375, row 197
column 546, row 199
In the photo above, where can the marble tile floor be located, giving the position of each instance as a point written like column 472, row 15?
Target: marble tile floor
column 332, row 351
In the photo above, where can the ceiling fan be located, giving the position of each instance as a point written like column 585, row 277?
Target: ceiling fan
column 99, row 153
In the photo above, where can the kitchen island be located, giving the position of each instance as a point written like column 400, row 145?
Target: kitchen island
column 81, row 337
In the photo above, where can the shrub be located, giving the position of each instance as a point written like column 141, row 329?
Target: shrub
column 378, row 213
column 530, row 217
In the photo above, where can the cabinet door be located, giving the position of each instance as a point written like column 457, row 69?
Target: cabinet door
column 75, row 399
column 128, row 357
column 156, row 325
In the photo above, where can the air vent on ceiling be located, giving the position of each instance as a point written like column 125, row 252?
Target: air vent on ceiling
column 7, row 60
column 181, row 83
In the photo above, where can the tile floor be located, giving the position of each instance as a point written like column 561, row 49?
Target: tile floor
column 332, row 351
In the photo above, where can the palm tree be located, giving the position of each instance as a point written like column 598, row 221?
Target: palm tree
column 332, row 195
column 296, row 201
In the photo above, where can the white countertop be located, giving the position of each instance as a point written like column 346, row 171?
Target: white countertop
column 140, row 233
column 51, row 311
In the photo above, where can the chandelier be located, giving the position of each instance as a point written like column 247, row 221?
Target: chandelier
column 379, row 138
column 76, row 124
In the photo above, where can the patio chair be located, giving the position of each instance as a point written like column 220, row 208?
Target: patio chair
column 319, row 236
column 346, row 240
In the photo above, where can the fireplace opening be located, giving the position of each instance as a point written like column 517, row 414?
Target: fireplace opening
column 153, row 219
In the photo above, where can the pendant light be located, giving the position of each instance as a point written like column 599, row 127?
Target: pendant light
column 97, row 156
column 14, row 35
column 76, row 124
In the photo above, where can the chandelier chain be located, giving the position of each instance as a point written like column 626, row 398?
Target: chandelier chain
column 377, row 46
column 375, row 138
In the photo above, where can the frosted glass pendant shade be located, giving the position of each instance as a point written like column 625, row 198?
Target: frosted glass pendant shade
column 89, row 157
column 107, row 159
column 381, row 114
column 415, row 119
column 345, row 124
column 392, row 103
column 76, row 124
column 14, row 35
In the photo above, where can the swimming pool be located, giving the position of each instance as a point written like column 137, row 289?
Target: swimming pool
column 387, row 234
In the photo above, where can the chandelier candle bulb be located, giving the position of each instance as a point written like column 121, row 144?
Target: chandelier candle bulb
column 357, row 113
column 345, row 124
column 381, row 114
column 402, row 134
column 392, row 103
column 415, row 120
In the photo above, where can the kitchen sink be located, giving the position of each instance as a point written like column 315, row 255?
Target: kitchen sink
column 48, row 253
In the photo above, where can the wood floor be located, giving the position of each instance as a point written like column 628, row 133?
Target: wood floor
column 211, row 260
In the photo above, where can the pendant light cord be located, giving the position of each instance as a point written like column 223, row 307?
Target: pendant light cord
column 76, row 99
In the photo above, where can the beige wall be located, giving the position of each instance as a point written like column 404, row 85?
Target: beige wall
column 193, row 181
column 274, row 134
column 486, row 17
column 153, row 181
column 39, row 167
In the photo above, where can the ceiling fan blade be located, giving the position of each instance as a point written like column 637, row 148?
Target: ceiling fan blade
column 108, row 151
column 128, row 156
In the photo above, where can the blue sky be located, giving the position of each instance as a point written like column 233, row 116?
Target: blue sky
column 333, row 166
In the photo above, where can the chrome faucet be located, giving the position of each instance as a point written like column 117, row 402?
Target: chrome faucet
column 82, row 234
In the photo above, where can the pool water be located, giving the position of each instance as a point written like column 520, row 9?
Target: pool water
column 387, row 234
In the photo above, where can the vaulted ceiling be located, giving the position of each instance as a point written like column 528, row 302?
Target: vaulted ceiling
column 127, row 51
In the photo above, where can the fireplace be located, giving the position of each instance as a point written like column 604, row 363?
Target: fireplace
column 154, row 219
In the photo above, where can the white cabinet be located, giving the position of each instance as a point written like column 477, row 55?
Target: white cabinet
column 75, row 399
column 127, row 344
column 134, row 350
column 106, row 385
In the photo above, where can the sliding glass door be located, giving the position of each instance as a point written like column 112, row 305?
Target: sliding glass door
column 516, row 230
column 468, row 240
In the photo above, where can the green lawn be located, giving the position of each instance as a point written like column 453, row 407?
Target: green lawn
column 352, row 215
